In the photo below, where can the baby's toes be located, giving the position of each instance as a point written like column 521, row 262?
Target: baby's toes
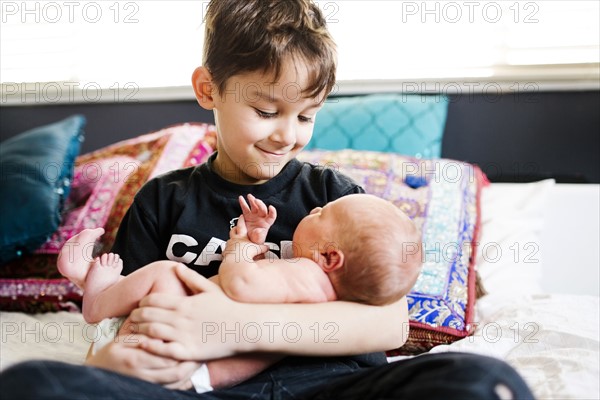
column 113, row 259
column 103, row 260
column 119, row 264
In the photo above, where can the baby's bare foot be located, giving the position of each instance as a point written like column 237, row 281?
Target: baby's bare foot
column 104, row 272
column 75, row 258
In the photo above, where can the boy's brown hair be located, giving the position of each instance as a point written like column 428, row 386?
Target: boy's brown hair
column 259, row 35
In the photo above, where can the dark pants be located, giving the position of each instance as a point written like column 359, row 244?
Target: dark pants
column 435, row 376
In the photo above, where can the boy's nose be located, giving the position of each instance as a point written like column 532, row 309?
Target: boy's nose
column 285, row 133
column 315, row 210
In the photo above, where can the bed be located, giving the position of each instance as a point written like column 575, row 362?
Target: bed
column 536, row 262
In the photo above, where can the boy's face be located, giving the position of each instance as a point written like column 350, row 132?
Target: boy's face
column 262, row 124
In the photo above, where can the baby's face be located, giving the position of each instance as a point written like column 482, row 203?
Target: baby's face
column 318, row 229
column 313, row 230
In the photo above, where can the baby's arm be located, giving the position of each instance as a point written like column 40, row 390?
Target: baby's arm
column 245, row 279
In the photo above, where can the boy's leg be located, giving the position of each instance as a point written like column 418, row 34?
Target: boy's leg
column 38, row 380
column 432, row 376
column 44, row 380
column 436, row 376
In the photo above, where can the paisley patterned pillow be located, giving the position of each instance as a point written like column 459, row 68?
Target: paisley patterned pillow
column 442, row 198
column 104, row 184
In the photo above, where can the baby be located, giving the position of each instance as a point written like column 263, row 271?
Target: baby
column 343, row 251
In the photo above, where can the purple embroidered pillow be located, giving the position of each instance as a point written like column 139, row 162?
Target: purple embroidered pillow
column 442, row 197
column 104, row 184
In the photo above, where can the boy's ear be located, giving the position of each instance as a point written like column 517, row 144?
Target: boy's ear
column 331, row 260
column 203, row 87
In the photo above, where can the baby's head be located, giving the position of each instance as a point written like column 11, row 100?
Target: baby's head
column 370, row 249
column 261, row 36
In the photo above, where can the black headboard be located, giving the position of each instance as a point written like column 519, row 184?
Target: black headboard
column 513, row 137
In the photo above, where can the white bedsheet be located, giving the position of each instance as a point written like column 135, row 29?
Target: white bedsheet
column 552, row 340
column 61, row 336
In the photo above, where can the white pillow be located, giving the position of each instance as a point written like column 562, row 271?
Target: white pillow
column 571, row 240
column 509, row 258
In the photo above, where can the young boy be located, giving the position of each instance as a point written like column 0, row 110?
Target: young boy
column 268, row 65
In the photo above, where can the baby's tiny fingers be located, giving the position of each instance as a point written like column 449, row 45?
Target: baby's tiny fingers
column 243, row 204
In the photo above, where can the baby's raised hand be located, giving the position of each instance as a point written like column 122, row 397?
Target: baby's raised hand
column 258, row 218
column 239, row 245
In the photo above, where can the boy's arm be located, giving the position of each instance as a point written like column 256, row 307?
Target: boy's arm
column 330, row 328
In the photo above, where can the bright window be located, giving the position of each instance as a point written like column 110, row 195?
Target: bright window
column 141, row 44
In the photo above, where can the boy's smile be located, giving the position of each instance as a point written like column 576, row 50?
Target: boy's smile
column 262, row 124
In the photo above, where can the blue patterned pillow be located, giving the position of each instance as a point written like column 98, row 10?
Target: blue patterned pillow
column 442, row 197
column 36, row 168
column 412, row 125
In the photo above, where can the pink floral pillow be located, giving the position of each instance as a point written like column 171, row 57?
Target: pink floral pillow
column 104, row 184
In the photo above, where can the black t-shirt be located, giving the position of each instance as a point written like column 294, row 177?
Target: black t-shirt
column 186, row 215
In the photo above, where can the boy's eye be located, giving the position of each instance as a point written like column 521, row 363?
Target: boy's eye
column 264, row 114
column 302, row 118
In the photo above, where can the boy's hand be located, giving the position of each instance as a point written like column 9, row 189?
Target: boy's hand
column 126, row 356
column 258, row 217
column 183, row 332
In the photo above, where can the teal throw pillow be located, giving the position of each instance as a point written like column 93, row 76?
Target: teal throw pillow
column 36, row 168
column 411, row 125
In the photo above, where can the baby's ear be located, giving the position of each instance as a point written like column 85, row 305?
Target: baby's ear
column 331, row 259
column 203, row 87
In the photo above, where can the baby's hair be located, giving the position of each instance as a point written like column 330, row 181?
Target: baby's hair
column 382, row 253
column 245, row 36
